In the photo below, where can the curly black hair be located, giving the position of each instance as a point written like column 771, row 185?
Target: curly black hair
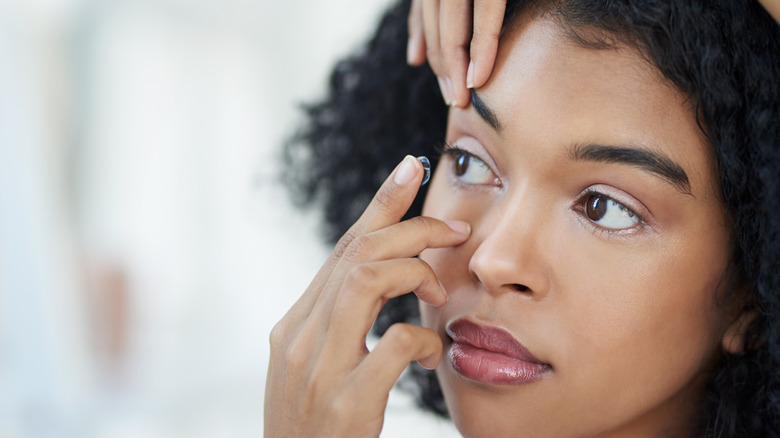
column 723, row 54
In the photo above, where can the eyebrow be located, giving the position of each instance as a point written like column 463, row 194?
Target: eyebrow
column 484, row 112
column 644, row 159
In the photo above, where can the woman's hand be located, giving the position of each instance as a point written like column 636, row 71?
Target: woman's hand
column 459, row 38
column 443, row 31
column 322, row 380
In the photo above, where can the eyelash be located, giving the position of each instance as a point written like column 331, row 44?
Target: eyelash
column 451, row 150
column 580, row 207
column 445, row 148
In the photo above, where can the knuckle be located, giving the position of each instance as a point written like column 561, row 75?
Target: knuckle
column 344, row 243
column 277, row 336
column 314, row 387
column 401, row 337
column 356, row 249
column 360, row 276
column 383, row 199
column 428, row 225
column 295, row 358
column 485, row 35
column 342, row 409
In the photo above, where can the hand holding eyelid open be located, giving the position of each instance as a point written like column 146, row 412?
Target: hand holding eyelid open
column 322, row 380
column 459, row 38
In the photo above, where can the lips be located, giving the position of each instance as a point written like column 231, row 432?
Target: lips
column 491, row 355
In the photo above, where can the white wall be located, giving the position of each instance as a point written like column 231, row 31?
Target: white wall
column 145, row 247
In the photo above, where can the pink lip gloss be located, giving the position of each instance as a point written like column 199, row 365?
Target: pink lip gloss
column 491, row 355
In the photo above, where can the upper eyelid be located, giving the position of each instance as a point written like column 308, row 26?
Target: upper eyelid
column 582, row 198
column 450, row 148
column 641, row 212
column 454, row 149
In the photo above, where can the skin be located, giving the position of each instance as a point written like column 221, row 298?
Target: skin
column 459, row 39
column 627, row 319
column 773, row 7
column 322, row 381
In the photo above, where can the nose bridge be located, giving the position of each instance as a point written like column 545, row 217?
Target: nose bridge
column 509, row 255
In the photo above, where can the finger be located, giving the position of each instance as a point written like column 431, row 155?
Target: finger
column 368, row 286
column 488, row 18
column 356, row 274
column 372, row 271
column 400, row 345
column 406, row 239
column 455, row 34
column 365, row 291
column 433, row 45
column 390, row 203
column 415, row 48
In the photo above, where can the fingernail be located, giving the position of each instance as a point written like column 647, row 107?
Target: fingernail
column 446, row 295
column 451, row 93
column 406, row 171
column 470, row 75
column 409, row 46
column 458, row 226
column 426, row 164
column 443, row 88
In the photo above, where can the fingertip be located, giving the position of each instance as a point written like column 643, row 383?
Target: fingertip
column 450, row 94
column 444, row 293
column 410, row 51
column 470, row 75
column 444, row 90
column 415, row 50
column 460, row 227
column 481, row 71
column 406, row 171
column 431, row 361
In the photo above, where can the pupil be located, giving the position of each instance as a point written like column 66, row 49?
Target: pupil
column 597, row 207
column 461, row 164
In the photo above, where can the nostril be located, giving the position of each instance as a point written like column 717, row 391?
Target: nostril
column 521, row 288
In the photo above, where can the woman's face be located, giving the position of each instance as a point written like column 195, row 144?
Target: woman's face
column 598, row 244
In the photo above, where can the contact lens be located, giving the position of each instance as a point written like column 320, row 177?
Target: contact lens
column 426, row 163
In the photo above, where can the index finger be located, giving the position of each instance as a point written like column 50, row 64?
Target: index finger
column 415, row 48
column 388, row 206
column 488, row 18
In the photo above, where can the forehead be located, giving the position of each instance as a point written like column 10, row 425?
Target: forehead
column 546, row 87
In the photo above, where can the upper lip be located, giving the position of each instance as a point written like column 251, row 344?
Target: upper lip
column 489, row 338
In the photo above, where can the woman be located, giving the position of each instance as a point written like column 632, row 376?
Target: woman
column 598, row 247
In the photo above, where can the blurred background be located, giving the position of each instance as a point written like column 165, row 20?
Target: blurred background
column 146, row 247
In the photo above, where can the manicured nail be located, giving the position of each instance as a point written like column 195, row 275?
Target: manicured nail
column 451, row 93
column 470, row 75
column 443, row 88
column 446, row 295
column 406, row 171
column 409, row 47
column 458, row 226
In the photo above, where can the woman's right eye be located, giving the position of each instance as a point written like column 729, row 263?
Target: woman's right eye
column 470, row 169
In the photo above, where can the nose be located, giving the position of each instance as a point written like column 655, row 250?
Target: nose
column 511, row 255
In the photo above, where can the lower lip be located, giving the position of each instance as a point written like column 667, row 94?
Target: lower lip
column 493, row 368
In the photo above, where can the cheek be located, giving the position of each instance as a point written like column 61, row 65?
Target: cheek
column 617, row 315
column 644, row 319
column 450, row 264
